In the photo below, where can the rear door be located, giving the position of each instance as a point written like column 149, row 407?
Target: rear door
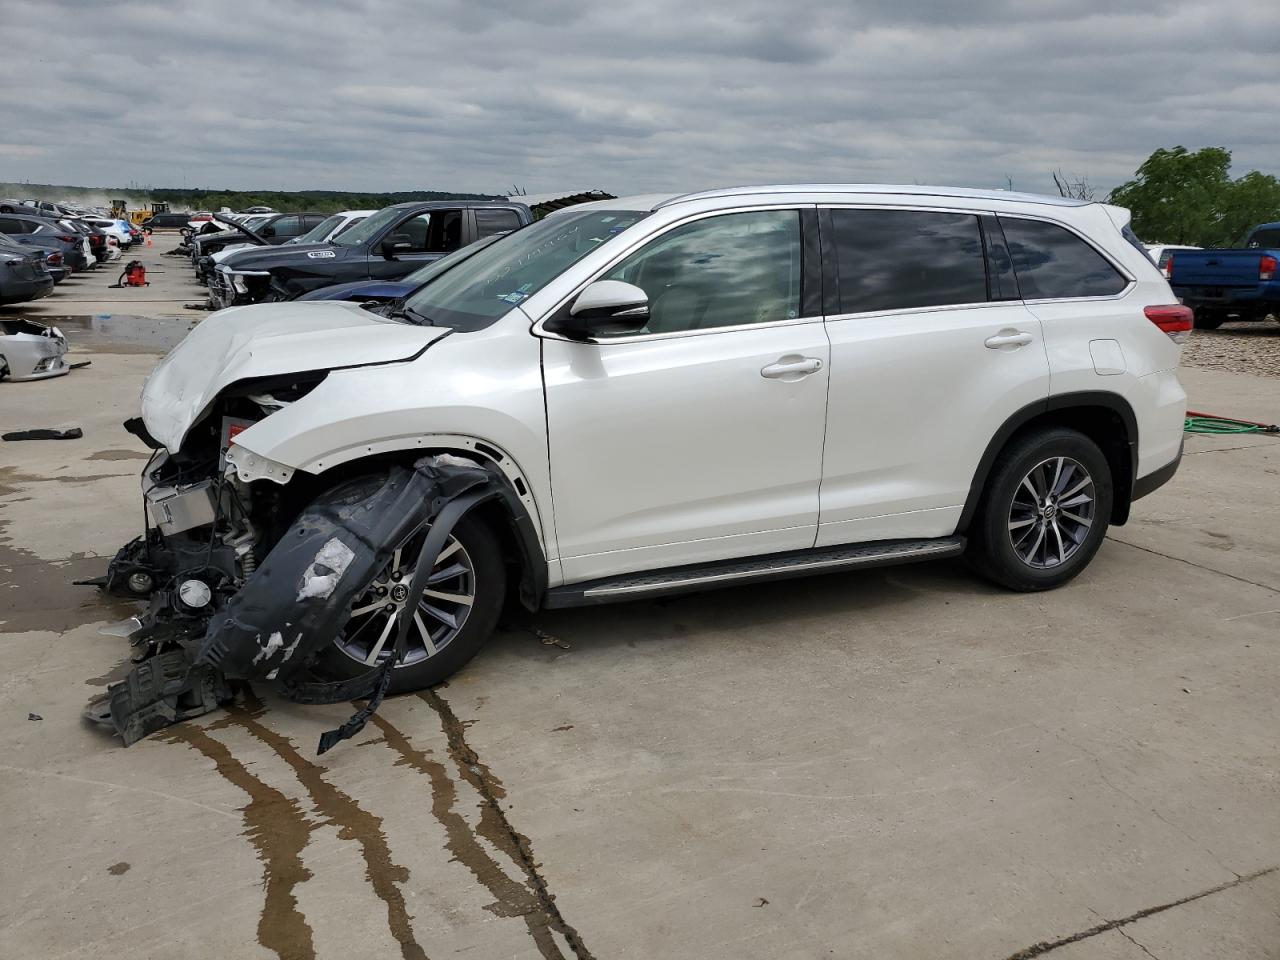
column 931, row 351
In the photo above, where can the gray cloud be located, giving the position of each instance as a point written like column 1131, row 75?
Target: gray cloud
column 661, row 94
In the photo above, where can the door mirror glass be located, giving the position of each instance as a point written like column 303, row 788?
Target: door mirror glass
column 606, row 308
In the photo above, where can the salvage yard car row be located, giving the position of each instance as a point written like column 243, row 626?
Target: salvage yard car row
column 64, row 246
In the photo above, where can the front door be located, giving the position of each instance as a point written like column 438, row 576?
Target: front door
column 422, row 238
column 700, row 437
column 931, row 352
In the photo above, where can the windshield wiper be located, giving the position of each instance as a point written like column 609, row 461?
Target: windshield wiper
column 398, row 310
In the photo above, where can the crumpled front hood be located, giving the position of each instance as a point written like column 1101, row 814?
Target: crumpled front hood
column 262, row 340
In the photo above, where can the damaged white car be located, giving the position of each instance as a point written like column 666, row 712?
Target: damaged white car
column 633, row 398
column 31, row 351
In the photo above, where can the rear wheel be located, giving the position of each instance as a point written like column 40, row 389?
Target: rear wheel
column 451, row 619
column 1044, row 512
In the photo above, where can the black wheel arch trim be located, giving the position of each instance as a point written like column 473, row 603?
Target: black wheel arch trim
column 1067, row 401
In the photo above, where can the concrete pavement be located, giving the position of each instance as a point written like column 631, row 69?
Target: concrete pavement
column 898, row 763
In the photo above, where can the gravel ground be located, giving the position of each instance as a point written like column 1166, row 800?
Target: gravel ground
column 1238, row 347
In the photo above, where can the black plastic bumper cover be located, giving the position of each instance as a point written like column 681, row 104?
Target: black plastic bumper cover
column 299, row 599
column 1157, row 478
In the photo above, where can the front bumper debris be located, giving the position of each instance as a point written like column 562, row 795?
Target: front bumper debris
column 273, row 624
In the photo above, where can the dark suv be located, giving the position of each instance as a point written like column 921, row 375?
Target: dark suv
column 388, row 245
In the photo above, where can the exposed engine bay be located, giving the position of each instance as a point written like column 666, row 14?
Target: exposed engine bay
column 255, row 581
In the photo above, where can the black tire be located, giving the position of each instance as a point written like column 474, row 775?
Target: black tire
column 992, row 552
column 1209, row 319
column 490, row 582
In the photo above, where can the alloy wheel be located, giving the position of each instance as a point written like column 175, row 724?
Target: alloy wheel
column 1052, row 512
column 438, row 615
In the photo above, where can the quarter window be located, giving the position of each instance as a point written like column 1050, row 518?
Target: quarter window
column 286, row 227
column 723, row 271
column 489, row 222
column 1053, row 263
column 907, row 259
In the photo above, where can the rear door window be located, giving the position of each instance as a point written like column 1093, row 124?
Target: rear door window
column 489, row 222
column 286, row 227
column 907, row 259
column 1053, row 263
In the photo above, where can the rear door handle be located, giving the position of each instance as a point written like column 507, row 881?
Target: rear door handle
column 791, row 368
column 1011, row 338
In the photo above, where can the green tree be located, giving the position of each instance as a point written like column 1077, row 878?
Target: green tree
column 1178, row 196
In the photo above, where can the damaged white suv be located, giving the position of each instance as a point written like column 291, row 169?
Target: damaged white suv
column 636, row 397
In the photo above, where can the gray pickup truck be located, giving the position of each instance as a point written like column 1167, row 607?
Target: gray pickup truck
column 1235, row 284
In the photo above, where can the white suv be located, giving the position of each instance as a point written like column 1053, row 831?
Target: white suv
column 668, row 393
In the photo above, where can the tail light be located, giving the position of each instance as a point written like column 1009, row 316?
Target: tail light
column 69, row 239
column 1174, row 319
column 1168, row 268
column 55, row 258
column 1267, row 267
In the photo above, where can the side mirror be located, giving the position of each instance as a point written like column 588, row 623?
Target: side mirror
column 393, row 245
column 605, row 308
column 268, row 231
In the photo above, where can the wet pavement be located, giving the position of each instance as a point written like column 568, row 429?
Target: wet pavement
column 899, row 763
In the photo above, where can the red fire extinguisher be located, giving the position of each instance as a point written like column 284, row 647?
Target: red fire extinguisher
column 134, row 275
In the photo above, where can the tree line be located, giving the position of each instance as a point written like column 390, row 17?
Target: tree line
column 311, row 201
column 1189, row 197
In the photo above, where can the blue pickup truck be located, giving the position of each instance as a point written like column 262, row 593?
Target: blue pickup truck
column 1222, row 285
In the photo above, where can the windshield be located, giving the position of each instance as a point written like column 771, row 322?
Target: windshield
column 320, row 231
column 449, row 261
column 370, row 228
column 1269, row 237
column 501, row 276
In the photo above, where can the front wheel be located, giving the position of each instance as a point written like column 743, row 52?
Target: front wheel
column 451, row 620
column 1044, row 512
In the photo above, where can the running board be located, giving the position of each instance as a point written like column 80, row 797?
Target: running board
column 731, row 573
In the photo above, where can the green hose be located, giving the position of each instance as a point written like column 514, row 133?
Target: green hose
column 1222, row 425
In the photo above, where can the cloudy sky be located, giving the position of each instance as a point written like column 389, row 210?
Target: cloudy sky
column 628, row 97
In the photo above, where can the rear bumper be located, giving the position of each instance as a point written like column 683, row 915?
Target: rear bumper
column 1260, row 294
column 1156, row 479
column 21, row 291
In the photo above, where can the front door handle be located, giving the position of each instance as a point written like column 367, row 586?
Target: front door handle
column 791, row 368
column 1009, row 338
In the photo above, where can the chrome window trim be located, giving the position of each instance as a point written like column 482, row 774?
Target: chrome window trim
column 912, row 311
column 538, row 329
